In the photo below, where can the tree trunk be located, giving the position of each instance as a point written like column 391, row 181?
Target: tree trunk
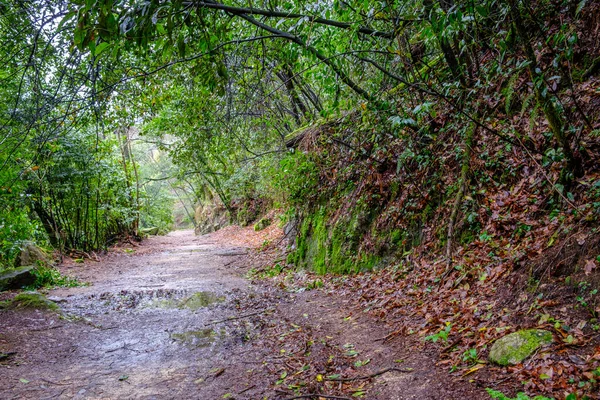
column 463, row 184
column 574, row 167
column 445, row 45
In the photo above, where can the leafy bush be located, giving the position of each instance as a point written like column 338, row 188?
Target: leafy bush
column 16, row 222
column 50, row 277
column 16, row 227
column 297, row 178
column 156, row 208
column 80, row 191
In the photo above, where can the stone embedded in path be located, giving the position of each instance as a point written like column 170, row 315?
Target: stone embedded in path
column 17, row 278
column 33, row 300
column 515, row 348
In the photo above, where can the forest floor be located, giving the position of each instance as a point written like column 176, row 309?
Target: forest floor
column 176, row 317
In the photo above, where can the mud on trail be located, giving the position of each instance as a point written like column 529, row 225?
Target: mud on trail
column 175, row 318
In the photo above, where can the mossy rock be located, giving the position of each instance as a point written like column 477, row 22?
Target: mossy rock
column 262, row 224
column 514, row 348
column 32, row 300
column 31, row 254
column 17, row 278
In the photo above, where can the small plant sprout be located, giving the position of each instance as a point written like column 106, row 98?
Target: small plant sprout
column 441, row 335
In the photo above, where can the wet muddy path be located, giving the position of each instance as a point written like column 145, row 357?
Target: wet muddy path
column 175, row 318
column 147, row 326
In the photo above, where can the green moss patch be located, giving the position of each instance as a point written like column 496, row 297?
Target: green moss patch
column 262, row 224
column 32, row 300
column 329, row 245
column 515, row 348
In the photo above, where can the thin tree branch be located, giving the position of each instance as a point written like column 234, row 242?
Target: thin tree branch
column 278, row 14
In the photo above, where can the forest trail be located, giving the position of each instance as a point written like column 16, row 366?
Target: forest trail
column 174, row 318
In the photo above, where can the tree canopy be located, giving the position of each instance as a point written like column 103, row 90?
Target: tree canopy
column 223, row 88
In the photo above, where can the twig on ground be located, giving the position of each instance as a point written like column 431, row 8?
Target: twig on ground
column 240, row 317
column 55, row 383
column 512, row 375
column 55, row 395
column 451, row 345
column 373, row 375
column 389, row 336
column 248, row 388
column 233, row 254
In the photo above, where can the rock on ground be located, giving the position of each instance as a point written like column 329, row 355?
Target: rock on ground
column 31, row 255
column 17, row 278
column 33, row 300
column 516, row 347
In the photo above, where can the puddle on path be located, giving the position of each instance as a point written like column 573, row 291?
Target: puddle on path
column 202, row 249
column 199, row 338
column 127, row 300
column 194, row 302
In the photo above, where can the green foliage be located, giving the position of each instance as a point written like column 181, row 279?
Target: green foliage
column 495, row 394
column 221, row 92
column 441, row 335
column 49, row 277
column 587, row 297
column 509, row 92
column 470, row 356
column 262, row 224
column 56, row 171
column 158, row 193
column 297, row 178
column 314, row 284
column 80, row 193
column 397, row 236
column 326, row 246
column 16, row 226
column 32, row 300
column 156, row 209
column 270, row 272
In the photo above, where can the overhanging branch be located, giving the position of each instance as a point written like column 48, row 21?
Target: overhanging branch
column 279, row 14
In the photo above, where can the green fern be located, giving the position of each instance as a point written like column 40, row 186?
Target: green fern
column 533, row 117
column 526, row 104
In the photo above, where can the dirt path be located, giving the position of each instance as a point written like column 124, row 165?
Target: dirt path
column 175, row 320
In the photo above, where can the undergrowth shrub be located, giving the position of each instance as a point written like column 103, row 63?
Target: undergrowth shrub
column 296, row 179
column 46, row 276
column 16, row 227
column 156, row 209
